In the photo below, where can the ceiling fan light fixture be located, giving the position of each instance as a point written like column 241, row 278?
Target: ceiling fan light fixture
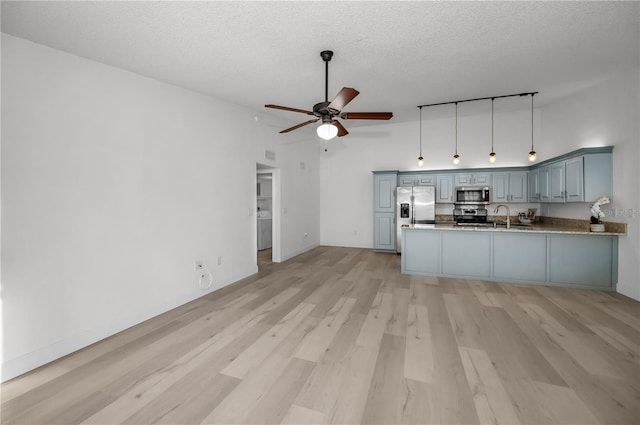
column 327, row 131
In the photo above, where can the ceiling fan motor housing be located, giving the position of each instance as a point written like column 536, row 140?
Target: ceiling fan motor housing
column 322, row 109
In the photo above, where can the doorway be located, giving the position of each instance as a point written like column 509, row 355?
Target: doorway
column 267, row 228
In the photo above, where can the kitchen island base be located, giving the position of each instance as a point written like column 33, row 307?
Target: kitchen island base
column 555, row 259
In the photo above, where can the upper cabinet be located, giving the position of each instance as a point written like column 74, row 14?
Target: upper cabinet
column 584, row 175
column 583, row 178
column 473, row 179
column 407, row 179
column 416, row 179
column 444, row 188
column 510, row 187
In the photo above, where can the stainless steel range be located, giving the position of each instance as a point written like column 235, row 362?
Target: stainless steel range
column 469, row 214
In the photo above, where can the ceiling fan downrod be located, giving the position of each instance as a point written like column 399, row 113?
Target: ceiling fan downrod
column 326, row 56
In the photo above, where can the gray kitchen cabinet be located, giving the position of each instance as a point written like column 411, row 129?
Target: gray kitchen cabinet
column 384, row 186
column 556, row 182
column 407, row 179
column 384, row 210
column 548, row 258
column 520, row 257
column 466, row 254
column 583, row 260
column 598, row 176
column 424, row 257
column 510, row 187
column 574, row 179
column 427, row 179
column 421, row 179
column 544, row 185
column 384, row 231
column 473, row 179
column 444, row 188
column 534, row 185
column 566, row 180
column 581, row 178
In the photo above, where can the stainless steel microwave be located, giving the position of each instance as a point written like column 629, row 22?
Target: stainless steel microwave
column 478, row 195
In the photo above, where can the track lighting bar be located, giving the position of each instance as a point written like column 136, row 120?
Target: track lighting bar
column 479, row 98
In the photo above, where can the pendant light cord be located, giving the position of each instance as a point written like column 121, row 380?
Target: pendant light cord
column 420, row 132
column 532, row 94
column 456, row 128
column 492, row 99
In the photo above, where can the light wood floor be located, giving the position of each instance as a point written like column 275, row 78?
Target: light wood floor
column 337, row 335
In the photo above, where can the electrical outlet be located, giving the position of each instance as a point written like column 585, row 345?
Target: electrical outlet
column 197, row 265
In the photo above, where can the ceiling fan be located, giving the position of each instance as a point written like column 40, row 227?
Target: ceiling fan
column 329, row 111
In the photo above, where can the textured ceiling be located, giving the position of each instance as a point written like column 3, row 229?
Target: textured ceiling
column 397, row 54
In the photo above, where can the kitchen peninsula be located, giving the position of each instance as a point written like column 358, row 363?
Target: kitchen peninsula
column 542, row 254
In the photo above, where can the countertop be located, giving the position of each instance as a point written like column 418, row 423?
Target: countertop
column 533, row 228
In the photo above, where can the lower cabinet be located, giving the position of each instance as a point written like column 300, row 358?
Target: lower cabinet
column 514, row 256
column 572, row 260
column 466, row 254
column 583, row 260
column 384, row 232
column 424, row 255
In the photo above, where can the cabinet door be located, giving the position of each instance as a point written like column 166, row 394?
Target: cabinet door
column 407, row 180
column 556, row 172
column 427, row 179
column 421, row 252
column 384, row 232
column 518, row 186
column 444, row 188
column 583, row 260
column 500, row 187
column 463, row 179
column 574, row 180
column 519, row 256
column 545, row 185
column 384, row 186
column 482, row 179
column 534, row 185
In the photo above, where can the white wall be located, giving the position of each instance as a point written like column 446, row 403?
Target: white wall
column 112, row 185
column 604, row 115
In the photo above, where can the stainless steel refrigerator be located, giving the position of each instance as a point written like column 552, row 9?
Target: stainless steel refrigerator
column 415, row 205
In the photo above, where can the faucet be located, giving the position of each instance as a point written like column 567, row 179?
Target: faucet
column 508, row 214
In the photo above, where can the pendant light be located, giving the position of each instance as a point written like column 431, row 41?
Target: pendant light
column 456, row 157
column 420, row 158
column 492, row 155
column 532, row 154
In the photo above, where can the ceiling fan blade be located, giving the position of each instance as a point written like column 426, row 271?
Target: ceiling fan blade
column 366, row 115
column 345, row 96
column 341, row 130
column 286, row 108
column 295, row 127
